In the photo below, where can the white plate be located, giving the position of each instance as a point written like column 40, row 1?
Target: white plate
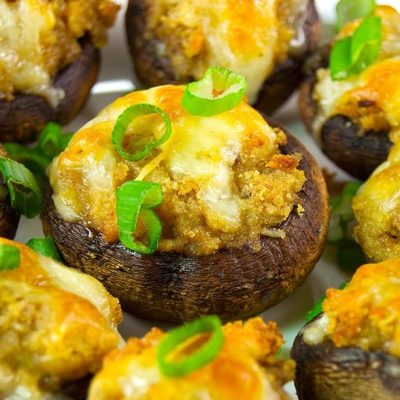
column 116, row 77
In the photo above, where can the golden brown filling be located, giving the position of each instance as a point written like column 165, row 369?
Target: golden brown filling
column 366, row 313
column 377, row 210
column 224, row 179
column 372, row 98
column 249, row 37
column 40, row 37
column 246, row 368
column 50, row 333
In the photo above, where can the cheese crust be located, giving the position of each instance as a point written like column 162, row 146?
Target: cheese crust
column 249, row 37
column 224, row 179
column 370, row 99
column 366, row 313
column 246, row 368
column 56, row 325
column 40, row 37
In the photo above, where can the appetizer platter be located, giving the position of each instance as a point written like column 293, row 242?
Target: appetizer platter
column 230, row 212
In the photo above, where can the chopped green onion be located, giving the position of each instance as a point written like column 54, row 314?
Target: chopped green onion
column 25, row 195
column 44, row 246
column 317, row 309
column 342, row 213
column 122, row 124
column 349, row 10
column 51, row 140
column 33, row 159
column 206, row 353
column 353, row 54
column 349, row 253
column 51, row 143
column 366, row 43
column 220, row 90
column 10, row 257
column 340, row 59
column 135, row 200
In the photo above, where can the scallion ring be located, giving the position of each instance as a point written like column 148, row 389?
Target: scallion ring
column 44, row 246
column 52, row 141
column 123, row 121
column 10, row 257
column 220, row 90
column 135, row 200
column 204, row 355
column 25, row 195
column 349, row 10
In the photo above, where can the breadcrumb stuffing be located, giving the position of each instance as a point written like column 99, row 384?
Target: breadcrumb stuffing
column 224, row 178
column 365, row 314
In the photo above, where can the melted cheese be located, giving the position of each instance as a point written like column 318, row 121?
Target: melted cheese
column 248, row 37
column 377, row 210
column 199, row 159
column 241, row 369
column 371, row 99
column 365, row 314
column 44, row 308
column 39, row 37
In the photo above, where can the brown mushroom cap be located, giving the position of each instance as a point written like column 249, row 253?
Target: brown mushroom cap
column 233, row 284
column 154, row 70
column 23, row 118
column 326, row 372
column 340, row 139
column 9, row 218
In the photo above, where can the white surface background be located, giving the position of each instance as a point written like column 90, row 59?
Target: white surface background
column 289, row 314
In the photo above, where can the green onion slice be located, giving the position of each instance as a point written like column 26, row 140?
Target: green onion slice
column 123, row 121
column 317, row 309
column 342, row 213
column 366, row 43
column 135, row 200
column 353, row 54
column 340, row 59
column 220, row 90
column 44, row 246
column 51, row 143
column 25, row 195
column 349, row 10
column 10, row 257
column 33, row 159
column 204, row 355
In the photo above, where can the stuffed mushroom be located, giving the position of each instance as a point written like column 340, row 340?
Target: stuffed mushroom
column 353, row 112
column 56, row 324
column 227, row 216
column 49, row 60
column 243, row 365
column 265, row 41
column 352, row 349
column 377, row 210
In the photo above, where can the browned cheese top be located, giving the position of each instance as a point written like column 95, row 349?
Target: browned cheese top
column 225, row 181
column 249, row 37
column 246, row 368
column 56, row 325
column 39, row 37
column 366, row 313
